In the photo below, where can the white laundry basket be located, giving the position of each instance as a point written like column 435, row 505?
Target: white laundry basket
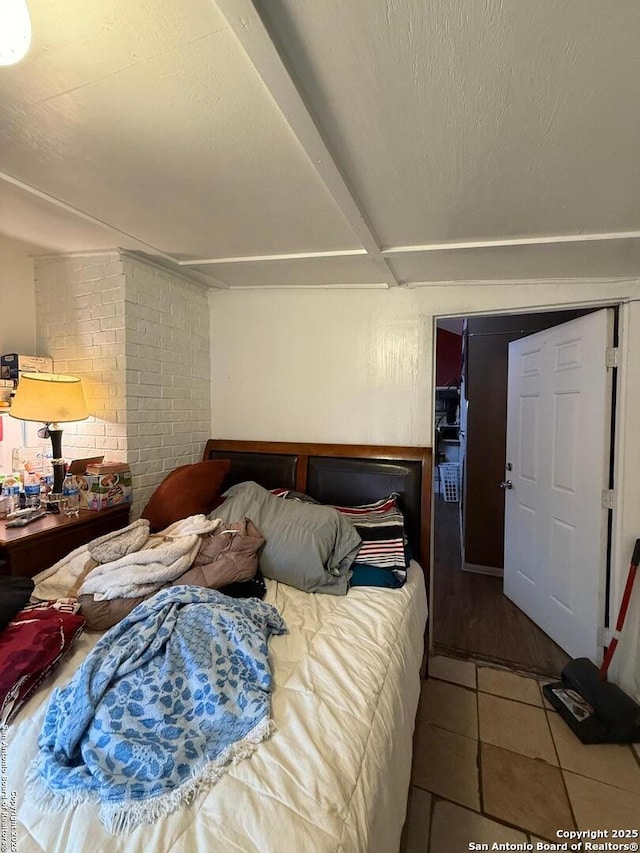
column 450, row 480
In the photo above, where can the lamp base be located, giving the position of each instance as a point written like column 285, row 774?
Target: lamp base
column 54, row 502
column 55, row 434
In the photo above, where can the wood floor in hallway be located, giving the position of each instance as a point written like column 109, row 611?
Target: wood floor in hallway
column 471, row 614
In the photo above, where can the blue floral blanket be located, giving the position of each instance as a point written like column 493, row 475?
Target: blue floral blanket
column 166, row 699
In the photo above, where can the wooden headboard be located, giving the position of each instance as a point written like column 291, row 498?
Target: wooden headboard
column 342, row 474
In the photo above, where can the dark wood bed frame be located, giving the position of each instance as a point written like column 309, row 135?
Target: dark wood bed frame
column 342, row 474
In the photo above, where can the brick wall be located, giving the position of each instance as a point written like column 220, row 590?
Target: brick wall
column 167, row 371
column 80, row 324
column 139, row 338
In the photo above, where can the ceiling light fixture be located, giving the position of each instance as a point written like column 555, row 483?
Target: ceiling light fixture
column 15, row 31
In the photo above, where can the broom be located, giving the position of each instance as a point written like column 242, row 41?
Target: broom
column 595, row 710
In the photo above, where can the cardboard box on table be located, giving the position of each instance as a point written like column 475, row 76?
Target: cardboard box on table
column 99, row 491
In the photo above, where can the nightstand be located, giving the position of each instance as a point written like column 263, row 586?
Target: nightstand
column 25, row 551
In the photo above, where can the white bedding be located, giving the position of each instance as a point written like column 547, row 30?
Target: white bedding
column 335, row 774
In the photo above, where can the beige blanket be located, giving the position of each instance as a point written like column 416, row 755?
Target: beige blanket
column 127, row 563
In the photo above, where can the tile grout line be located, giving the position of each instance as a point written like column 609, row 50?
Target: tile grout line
column 436, row 798
column 522, row 829
column 432, row 813
column 453, row 683
column 538, row 678
column 492, row 663
column 479, row 757
column 561, row 768
column 582, row 775
column 489, row 693
column 510, row 699
column 483, row 812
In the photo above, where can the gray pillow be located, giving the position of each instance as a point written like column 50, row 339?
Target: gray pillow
column 308, row 546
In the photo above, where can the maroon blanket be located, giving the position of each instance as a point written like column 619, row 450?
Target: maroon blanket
column 31, row 647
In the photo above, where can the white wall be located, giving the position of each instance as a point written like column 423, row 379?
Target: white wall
column 17, row 329
column 357, row 367
column 348, row 365
column 17, row 299
column 626, row 666
column 343, row 366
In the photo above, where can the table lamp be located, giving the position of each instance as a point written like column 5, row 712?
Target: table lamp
column 52, row 399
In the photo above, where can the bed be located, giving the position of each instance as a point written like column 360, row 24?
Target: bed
column 335, row 774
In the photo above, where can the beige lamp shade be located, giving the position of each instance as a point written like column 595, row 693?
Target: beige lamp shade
column 49, row 398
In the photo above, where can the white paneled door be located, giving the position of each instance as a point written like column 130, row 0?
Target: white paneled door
column 558, row 433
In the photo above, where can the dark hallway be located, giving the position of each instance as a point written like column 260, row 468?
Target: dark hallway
column 473, row 617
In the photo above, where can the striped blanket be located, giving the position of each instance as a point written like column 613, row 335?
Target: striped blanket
column 381, row 528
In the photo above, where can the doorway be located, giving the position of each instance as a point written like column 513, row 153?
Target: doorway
column 471, row 615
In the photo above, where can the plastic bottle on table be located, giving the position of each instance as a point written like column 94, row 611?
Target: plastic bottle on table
column 6, row 503
column 71, row 495
column 32, row 491
column 11, row 490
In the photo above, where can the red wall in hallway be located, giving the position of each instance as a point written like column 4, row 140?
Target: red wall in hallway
column 448, row 358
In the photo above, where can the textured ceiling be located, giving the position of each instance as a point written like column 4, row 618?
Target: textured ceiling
column 368, row 142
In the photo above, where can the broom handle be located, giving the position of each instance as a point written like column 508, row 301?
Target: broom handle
column 626, row 597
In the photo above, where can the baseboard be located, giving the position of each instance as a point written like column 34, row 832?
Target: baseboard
column 483, row 570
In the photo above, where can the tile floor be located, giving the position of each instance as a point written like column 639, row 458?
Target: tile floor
column 492, row 762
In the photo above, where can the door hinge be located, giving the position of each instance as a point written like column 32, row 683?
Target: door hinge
column 603, row 636
column 607, row 498
column 611, row 359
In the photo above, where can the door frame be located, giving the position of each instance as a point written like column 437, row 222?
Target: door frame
column 533, row 370
column 616, row 577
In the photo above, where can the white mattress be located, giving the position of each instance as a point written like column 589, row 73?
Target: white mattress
column 335, row 774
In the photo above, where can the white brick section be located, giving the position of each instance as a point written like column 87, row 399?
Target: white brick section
column 168, row 372
column 139, row 338
column 74, row 296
